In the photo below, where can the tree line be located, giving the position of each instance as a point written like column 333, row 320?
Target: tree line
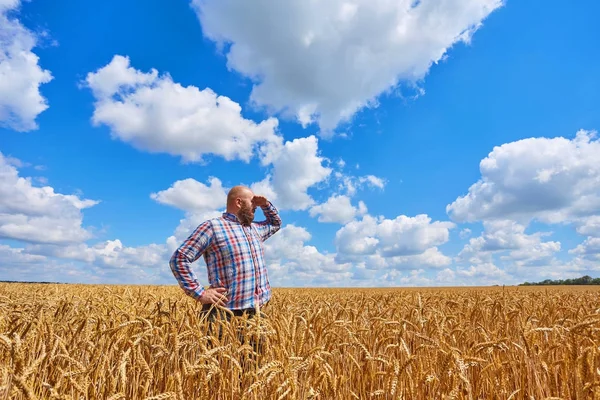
column 584, row 280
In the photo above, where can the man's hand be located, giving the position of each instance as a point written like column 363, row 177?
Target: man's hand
column 260, row 201
column 214, row 296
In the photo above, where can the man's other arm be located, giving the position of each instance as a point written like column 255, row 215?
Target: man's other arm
column 186, row 254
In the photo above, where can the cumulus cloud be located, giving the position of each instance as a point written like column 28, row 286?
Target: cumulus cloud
column 588, row 250
column 487, row 271
column 339, row 209
column 552, row 180
column 350, row 184
column 296, row 167
column 264, row 188
column 372, row 180
column 193, row 196
column 430, row 258
column 108, row 254
column 323, row 61
column 18, row 257
column 475, row 275
column 538, row 254
column 507, row 236
column 17, row 264
column 50, row 224
column 589, row 226
column 38, row 214
column 155, row 114
column 20, row 73
column 403, row 241
column 291, row 261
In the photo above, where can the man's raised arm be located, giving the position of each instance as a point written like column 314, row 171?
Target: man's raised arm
column 272, row 223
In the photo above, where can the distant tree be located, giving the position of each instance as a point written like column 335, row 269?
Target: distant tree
column 584, row 280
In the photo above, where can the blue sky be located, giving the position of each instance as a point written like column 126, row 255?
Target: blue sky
column 443, row 143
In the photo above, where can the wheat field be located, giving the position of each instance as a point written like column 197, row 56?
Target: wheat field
column 149, row 342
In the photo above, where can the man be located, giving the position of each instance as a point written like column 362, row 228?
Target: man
column 232, row 246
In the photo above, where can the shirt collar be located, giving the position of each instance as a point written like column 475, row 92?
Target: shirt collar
column 231, row 217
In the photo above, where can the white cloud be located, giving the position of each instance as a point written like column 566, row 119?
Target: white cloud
column 18, row 265
column 350, row 184
column 324, row 61
column 414, row 278
column 588, row 250
column 193, row 196
column 20, row 74
column 108, row 254
column 38, row 214
column 429, row 258
column 465, row 233
column 553, row 180
column 488, row 271
column 296, row 167
column 400, row 236
column 589, row 226
column 404, row 241
column 17, row 257
column 476, row 275
column 507, row 236
column 51, row 224
column 264, row 188
column 15, row 162
column 403, row 278
column 292, row 263
column 446, row 276
column 538, row 254
column 339, row 209
column 155, row 114
column 112, row 253
column 373, row 180
column 287, row 243
column 107, row 263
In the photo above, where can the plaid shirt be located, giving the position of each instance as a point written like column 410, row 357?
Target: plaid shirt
column 234, row 256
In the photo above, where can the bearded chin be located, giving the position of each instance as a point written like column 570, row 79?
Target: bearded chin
column 246, row 218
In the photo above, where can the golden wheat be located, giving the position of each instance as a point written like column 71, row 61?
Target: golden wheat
column 149, row 342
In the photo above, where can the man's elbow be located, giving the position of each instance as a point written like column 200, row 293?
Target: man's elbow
column 177, row 261
column 276, row 228
column 173, row 259
column 276, row 224
column 276, row 220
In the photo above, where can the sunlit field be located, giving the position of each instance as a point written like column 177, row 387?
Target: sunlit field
column 149, row 342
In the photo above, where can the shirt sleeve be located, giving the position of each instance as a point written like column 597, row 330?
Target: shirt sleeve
column 186, row 254
column 272, row 223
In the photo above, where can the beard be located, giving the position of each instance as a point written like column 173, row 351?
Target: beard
column 246, row 215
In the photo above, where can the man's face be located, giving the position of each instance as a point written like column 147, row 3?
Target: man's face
column 246, row 212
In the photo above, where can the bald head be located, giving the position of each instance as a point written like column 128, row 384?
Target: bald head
column 237, row 196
